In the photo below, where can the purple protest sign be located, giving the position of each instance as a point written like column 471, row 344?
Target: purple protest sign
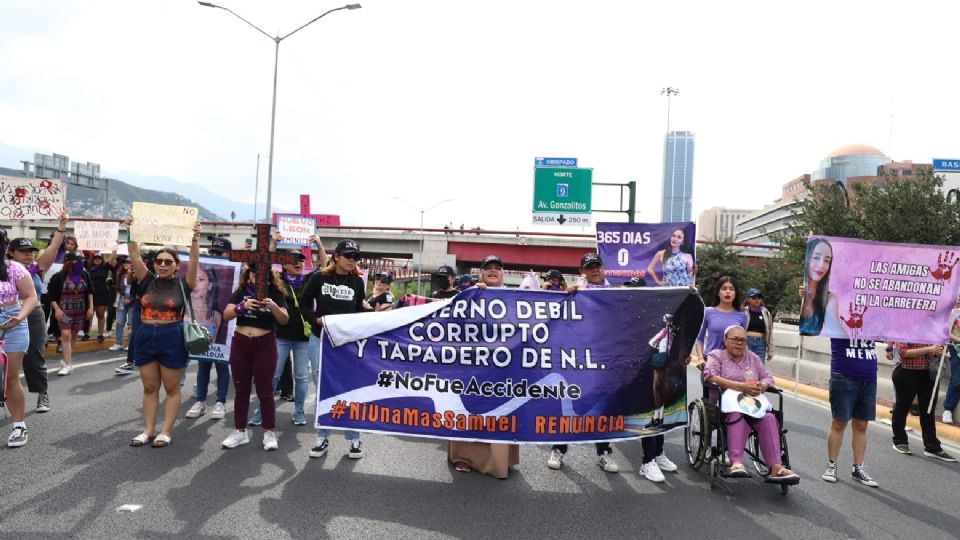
column 513, row 366
column 661, row 253
column 878, row 290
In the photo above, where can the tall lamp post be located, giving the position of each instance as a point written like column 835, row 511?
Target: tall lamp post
column 276, row 60
column 422, row 212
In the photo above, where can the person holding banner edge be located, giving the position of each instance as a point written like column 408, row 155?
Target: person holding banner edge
column 675, row 261
column 159, row 349
column 15, row 284
column 335, row 289
column 494, row 459
column 591, row 268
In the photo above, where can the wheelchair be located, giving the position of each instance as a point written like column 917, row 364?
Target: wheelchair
column 705, row 438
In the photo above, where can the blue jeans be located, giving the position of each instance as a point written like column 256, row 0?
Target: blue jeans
column 758, row 346
column 133, row 313
column 203, row 380
column 314, row 355
column 121, row 322
column 301, row 369
column 953, row 389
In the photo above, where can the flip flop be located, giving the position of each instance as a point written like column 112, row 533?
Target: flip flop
column 462, row 466
column 785, row 478
column 737, row 470
column 161, row 441
column 140, row 440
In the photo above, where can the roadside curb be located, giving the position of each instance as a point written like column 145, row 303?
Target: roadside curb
column 79, row 347
column 946, row 432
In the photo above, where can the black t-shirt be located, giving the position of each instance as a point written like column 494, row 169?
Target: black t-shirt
column 293, row 330
column 445, row 294
column 756, row 323
column 258, row 318
column 383, row 298
column 333, row 295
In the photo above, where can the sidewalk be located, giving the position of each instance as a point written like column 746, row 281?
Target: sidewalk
column 945, row 432
column 90, row 345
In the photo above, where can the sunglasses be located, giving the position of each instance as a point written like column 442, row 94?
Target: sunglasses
column 351, row 256
column 164, row 262
column 737, row 340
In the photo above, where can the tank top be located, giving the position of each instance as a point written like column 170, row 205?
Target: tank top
column 675, row 272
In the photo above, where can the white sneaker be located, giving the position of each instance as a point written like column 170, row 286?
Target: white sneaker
column 607, row 463
column 555, row 461
column 197, row 410
column 219, row 411
column 651, row 471
column 114, row 347
column 236, row 438
column 947, row 417
column 664, row 463
column 65, row 369
column 270, row 440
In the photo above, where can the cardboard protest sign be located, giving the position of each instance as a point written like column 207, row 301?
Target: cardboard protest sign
column 295, row 230
column 31, row 198
column 163, row 223
column 97, row 235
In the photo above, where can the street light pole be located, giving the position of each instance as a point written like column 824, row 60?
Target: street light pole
column 422, row 212
column 273, row 109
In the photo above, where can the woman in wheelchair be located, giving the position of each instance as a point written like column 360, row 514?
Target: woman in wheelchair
column 736, row 368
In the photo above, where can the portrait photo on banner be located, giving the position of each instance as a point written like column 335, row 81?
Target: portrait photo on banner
column 861, row 289
column 662, row 254
column 217, row 278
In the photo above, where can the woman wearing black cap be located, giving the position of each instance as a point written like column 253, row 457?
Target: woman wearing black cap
column 336, row 289
column 554, row 281
column 494, row 459
column 381, row 299
column 71, row 298
column 447, row 277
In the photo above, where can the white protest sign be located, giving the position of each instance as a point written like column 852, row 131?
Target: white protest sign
column 97, row 235
column 163, row 223
column 295, row 231
column 31, row 198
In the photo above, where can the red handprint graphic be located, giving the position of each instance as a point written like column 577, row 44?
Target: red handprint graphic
column 20, row 193
column 855, row 320
column 47, row 185
column 945, row 263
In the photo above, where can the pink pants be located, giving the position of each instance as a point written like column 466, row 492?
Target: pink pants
column 739, row 427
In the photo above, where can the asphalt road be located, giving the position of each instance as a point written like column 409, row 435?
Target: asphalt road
column 77, row 471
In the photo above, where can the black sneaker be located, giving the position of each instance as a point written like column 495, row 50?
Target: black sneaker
column 903, row 448
column 859, row 474
column 830, row 475
column 85, row 337
column 320, row 449
column 356, row 452
column 125, row 369
column 100, row 339
column 18, row 437
column 43, row 403
column 941, row 455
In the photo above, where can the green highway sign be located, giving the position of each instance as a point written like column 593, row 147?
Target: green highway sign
column 561, row 196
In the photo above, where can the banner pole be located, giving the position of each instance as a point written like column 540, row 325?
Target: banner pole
column 796, row 368
column 936, row 384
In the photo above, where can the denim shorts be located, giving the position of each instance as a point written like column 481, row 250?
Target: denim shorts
column 160, row 343
column 16, row 339
column 852, row 398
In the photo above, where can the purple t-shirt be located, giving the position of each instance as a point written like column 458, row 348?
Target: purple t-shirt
column 854, row 358
column 714, row 323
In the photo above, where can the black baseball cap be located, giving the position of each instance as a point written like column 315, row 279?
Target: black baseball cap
column 590, row 258
column 22, row 244
column 754, row 293
column 73, row 256
column 446, row 271
column 347, row 246
column 635, row 281
column 491, row 259
column 553, row 274
column 385, row 277
column 293, row 252
column 219, row 245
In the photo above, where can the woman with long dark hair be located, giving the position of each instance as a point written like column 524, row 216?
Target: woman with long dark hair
column 159, row 349
column 124, row 297
column 253, row 352
column 15, row 284
column 675, row 260
column 817, row 300
column 100, row 271
column 723, row 313
column 71, row 299
column 205, row 298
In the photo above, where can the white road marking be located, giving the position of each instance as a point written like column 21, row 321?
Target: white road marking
column 129, row 508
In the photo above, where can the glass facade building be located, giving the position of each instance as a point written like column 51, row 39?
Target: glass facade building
column 849, row 161
column 677, row 177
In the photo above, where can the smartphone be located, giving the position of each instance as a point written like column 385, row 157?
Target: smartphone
column 248, row 242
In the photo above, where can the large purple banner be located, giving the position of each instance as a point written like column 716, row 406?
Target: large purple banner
column 508, row 365
column 878, row 290
column 661, row 253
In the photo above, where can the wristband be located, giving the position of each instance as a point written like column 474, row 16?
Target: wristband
column 61, row 230
column 240, row 308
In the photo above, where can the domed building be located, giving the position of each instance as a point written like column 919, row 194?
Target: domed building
column 852, row 160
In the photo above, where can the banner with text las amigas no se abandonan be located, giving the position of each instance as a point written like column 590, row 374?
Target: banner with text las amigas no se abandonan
column 505, row 365
column 861, row 289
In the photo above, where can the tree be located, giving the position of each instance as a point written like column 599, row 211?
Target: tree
column 714, row 261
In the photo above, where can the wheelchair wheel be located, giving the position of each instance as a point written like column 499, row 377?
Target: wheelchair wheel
column 696, row 435
column 753, row 450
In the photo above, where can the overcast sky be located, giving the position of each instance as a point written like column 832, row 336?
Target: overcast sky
column 428, row 100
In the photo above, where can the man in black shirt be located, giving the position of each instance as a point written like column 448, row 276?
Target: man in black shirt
column 447, row 277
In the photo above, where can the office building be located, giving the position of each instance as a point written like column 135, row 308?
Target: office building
column 719, row 223
column 677, row 177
